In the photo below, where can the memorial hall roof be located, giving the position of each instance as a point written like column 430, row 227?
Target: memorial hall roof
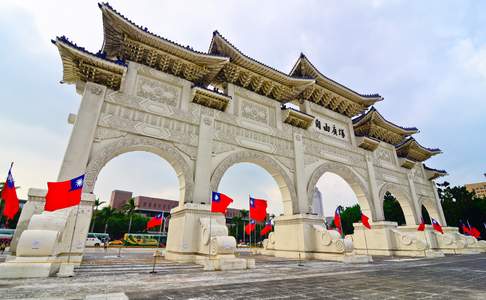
column 373, row 124
column 82, row 65
column 434, row 173
column 412, row 150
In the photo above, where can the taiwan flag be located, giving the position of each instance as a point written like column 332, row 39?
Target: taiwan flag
column 9, row 195
column 220, row 202
column 258, row 209
column 155, row 221
column 473, row 230
column 437, row 226
column 250, row 227
column 268, row 227
column 364, row 220
column 64, row 194
column 337, row 220
column 421, row 226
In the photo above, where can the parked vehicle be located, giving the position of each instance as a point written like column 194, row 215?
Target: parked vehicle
column 93, row 242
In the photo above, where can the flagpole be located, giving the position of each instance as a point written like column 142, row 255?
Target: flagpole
column 160, row 229
column 366, row 243
column 249, row 219
column 210, row 213
column 74, row 230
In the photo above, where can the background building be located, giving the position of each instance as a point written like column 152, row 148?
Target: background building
column 151, row 206
column 478, row 188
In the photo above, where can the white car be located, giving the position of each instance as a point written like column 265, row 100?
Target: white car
column 93, row 242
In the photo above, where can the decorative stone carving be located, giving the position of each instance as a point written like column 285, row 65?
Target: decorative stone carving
column 136, row 143
column 158, row 91
column 95, row 90
column 254, row 112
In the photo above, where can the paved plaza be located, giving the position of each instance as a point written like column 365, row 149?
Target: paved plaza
column 451, row 277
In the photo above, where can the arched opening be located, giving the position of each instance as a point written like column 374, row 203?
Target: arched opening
column 148, row 160
column 397, row 203
column 332, row 191
column 425, row 215
column 392, row 209
column 132, row 188
column 340, row 186
column 246, row 173
column 257, row 183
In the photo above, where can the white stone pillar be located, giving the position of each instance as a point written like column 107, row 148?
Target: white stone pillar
column 230, row 91
column 202, row 172
column 299, row 175
column 374, row 194
column 415, row 200
column 81, row 140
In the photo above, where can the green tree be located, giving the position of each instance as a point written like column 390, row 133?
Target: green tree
column 460, row 204
column 393, row 211
column 129, row 209
column 106, row 214
column 349, row 216
column 96, row 205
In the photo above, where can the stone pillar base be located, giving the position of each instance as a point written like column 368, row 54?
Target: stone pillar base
column 198, row 236
column 387, row 239
column 305, row 237
column 29, row 267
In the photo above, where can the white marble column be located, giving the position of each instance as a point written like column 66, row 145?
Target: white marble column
column 202, row 172
column 82, row 135
column 299, row 177
column 415, row 200
column 374, row 194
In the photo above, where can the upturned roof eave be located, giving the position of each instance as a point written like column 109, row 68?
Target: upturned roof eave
column 158, row 42
column 333, row 85
column 368, row 116
column 239, row 58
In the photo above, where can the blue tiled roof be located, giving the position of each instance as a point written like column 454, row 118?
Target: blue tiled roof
column 411, row 139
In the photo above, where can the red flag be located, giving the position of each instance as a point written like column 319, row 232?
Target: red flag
column 250, row 227
column 437, row 226
column 465, row 229
column 220, row 202
column 268, row 227
column 155, row 221
column 64, row 194
column 9, row 195
column 337, row 220
column 422, row 225
column 258, row 209
column 364, row 220
column 475, row 232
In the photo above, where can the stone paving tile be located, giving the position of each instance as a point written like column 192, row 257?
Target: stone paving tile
column 452, row 277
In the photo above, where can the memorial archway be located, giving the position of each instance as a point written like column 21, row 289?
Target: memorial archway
column 403, row 199
column 279, row 174
column 355, row 182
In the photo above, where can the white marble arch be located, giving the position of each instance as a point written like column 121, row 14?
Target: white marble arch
column 102, row 154
column 431, row 208
column 278, row 172
column 403, row 199
column 357, row 184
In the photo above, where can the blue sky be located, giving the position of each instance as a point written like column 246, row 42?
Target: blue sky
column 428, row 59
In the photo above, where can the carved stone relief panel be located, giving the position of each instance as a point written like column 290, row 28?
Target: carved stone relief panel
column 146, row 124
column 254, row 111
column 251, row 139
column 157, row 90
column 333, row 153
